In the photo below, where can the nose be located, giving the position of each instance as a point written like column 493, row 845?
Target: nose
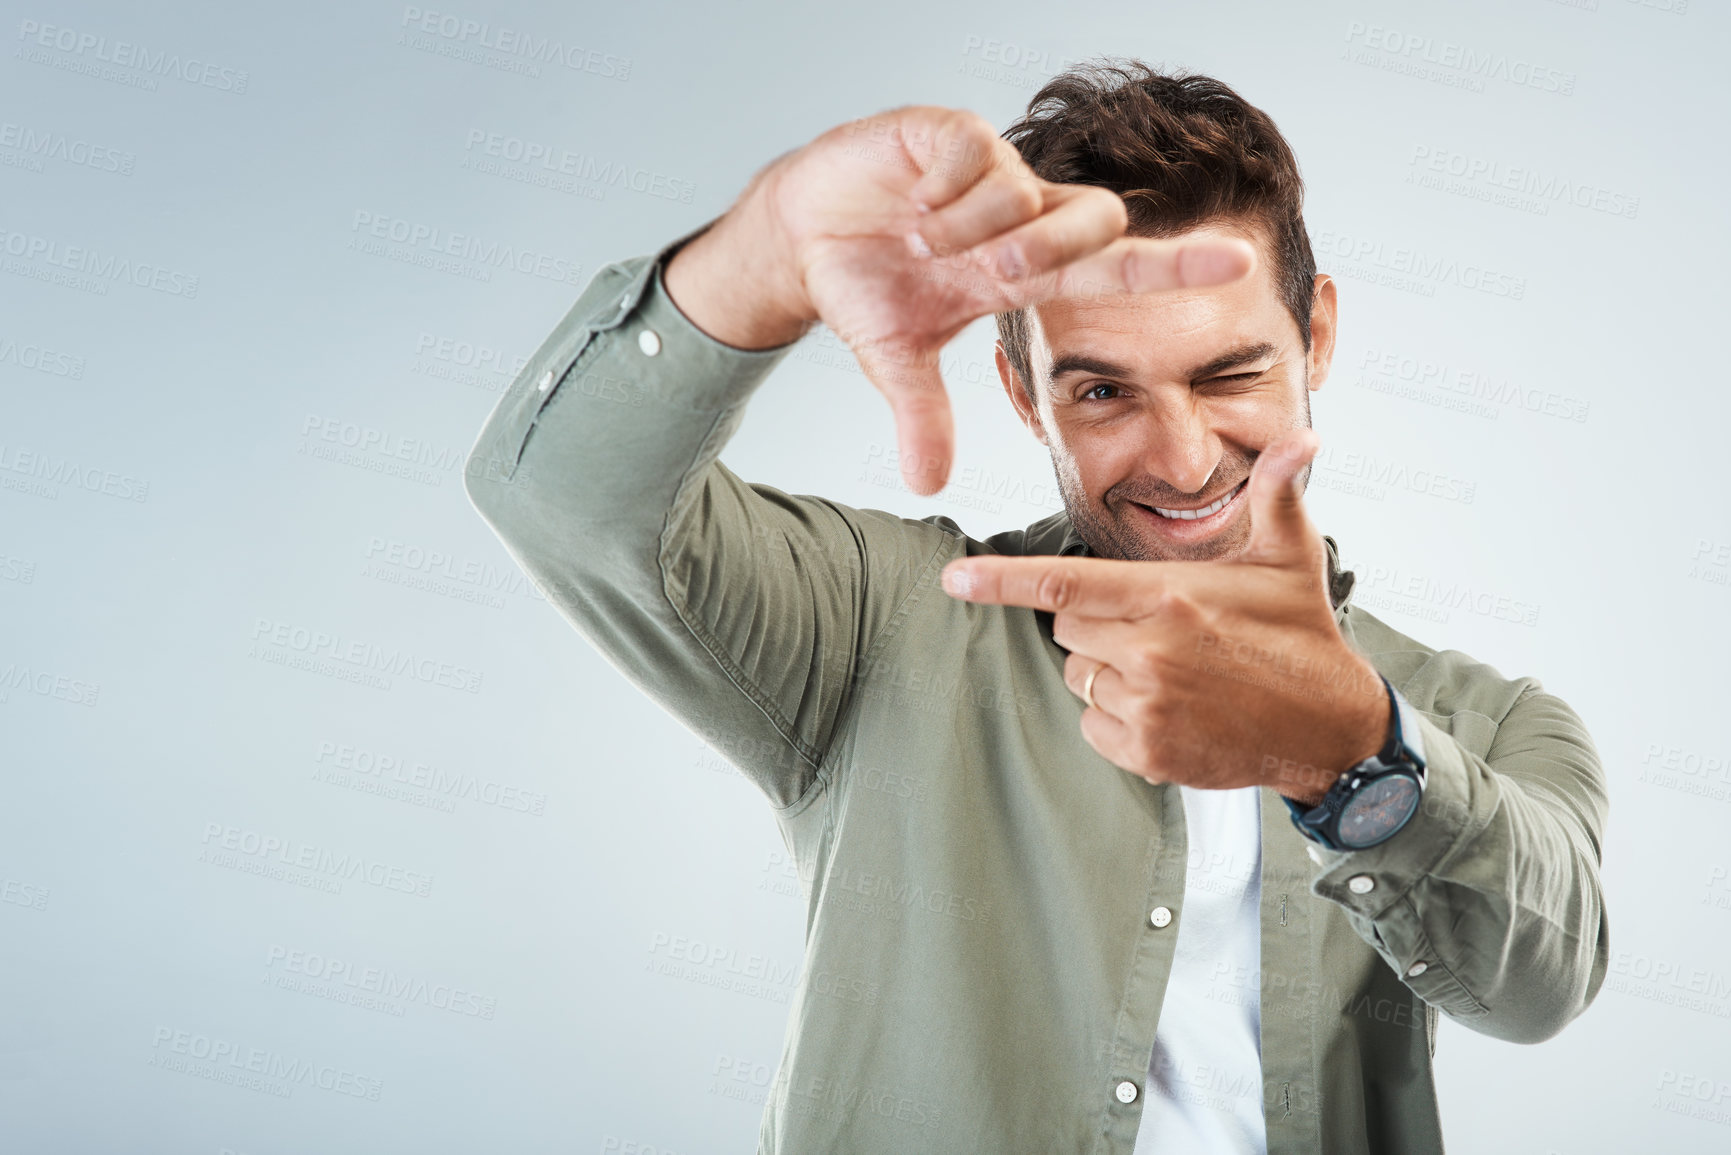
column 1182, row 449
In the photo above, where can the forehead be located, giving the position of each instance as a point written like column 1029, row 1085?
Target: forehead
column 1168, row 330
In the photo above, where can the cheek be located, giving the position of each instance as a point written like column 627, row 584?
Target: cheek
column 1097, row 459
column 1256, row 420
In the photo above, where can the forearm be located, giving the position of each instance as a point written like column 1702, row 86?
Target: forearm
column 614, row 408
column 1488, row 903
column 739, row 608
column 590, row 469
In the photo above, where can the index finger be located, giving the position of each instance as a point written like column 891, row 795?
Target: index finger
column 1094, row 586
column 1147, row 265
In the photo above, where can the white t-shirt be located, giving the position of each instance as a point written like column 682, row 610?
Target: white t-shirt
column 1205, row 1078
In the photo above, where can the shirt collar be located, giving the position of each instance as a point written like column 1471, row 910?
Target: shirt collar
column 1056, row 534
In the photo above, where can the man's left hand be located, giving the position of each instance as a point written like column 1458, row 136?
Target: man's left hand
column 1216, row 674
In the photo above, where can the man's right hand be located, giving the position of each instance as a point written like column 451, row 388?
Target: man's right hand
column 899, row 230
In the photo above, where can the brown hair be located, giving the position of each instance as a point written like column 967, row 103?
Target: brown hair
column 1182, row 150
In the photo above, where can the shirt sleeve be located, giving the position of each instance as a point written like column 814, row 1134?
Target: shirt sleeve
column 1488, row 902
column 743, row 610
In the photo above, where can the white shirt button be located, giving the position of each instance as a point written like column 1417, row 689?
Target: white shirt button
column 1417, row 969
column 1126, row 1092
column 649, row 341
column 1160, row 916
column 1361, row 884
column 545, row 383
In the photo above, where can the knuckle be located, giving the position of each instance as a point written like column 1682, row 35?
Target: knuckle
column 1147, row 663
column 964, row 137
column 1169, row 604
column 973, row 124
column 1023, row 197
column 1111, row 208
column 1056, row 588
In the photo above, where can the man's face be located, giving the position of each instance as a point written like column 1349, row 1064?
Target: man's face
column 1162, row 401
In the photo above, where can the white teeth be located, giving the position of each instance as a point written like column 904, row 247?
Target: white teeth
column 1193, row 514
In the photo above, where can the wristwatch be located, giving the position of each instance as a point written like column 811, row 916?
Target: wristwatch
column 1369, row 803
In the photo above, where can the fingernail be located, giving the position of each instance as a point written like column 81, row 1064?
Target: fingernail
column 959, row 581
column 918, row 244
column 1012, row 265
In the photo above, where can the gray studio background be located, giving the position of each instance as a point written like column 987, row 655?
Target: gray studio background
column 240, row 368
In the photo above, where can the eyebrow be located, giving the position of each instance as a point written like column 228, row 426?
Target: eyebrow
column 1245, row 354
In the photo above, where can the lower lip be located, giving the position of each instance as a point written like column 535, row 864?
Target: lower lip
column 1195, row 529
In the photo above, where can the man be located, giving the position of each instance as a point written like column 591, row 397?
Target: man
column 1147, row 838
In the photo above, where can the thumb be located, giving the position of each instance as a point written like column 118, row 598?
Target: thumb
column 925, row 427
column 1280, row 533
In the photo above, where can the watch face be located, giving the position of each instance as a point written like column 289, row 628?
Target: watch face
column 1378, row 810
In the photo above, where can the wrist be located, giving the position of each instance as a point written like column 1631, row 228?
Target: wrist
column 738, row 281
column 1360, row 727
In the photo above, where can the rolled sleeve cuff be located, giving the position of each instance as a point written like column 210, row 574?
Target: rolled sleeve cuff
column 624, row 340
column 1383, row 888
column 1455, row 806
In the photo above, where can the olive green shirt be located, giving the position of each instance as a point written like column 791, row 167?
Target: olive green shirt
column 962, row 847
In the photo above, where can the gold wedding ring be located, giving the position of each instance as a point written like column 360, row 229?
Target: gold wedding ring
column 1088, row 685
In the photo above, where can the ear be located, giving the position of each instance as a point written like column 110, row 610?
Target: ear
column 1324, row 325
column 1012, row 383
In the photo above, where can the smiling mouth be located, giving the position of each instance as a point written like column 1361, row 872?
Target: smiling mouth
column 1212, row 507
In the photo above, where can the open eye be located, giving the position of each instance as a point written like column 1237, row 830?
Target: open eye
column 1088, row 394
